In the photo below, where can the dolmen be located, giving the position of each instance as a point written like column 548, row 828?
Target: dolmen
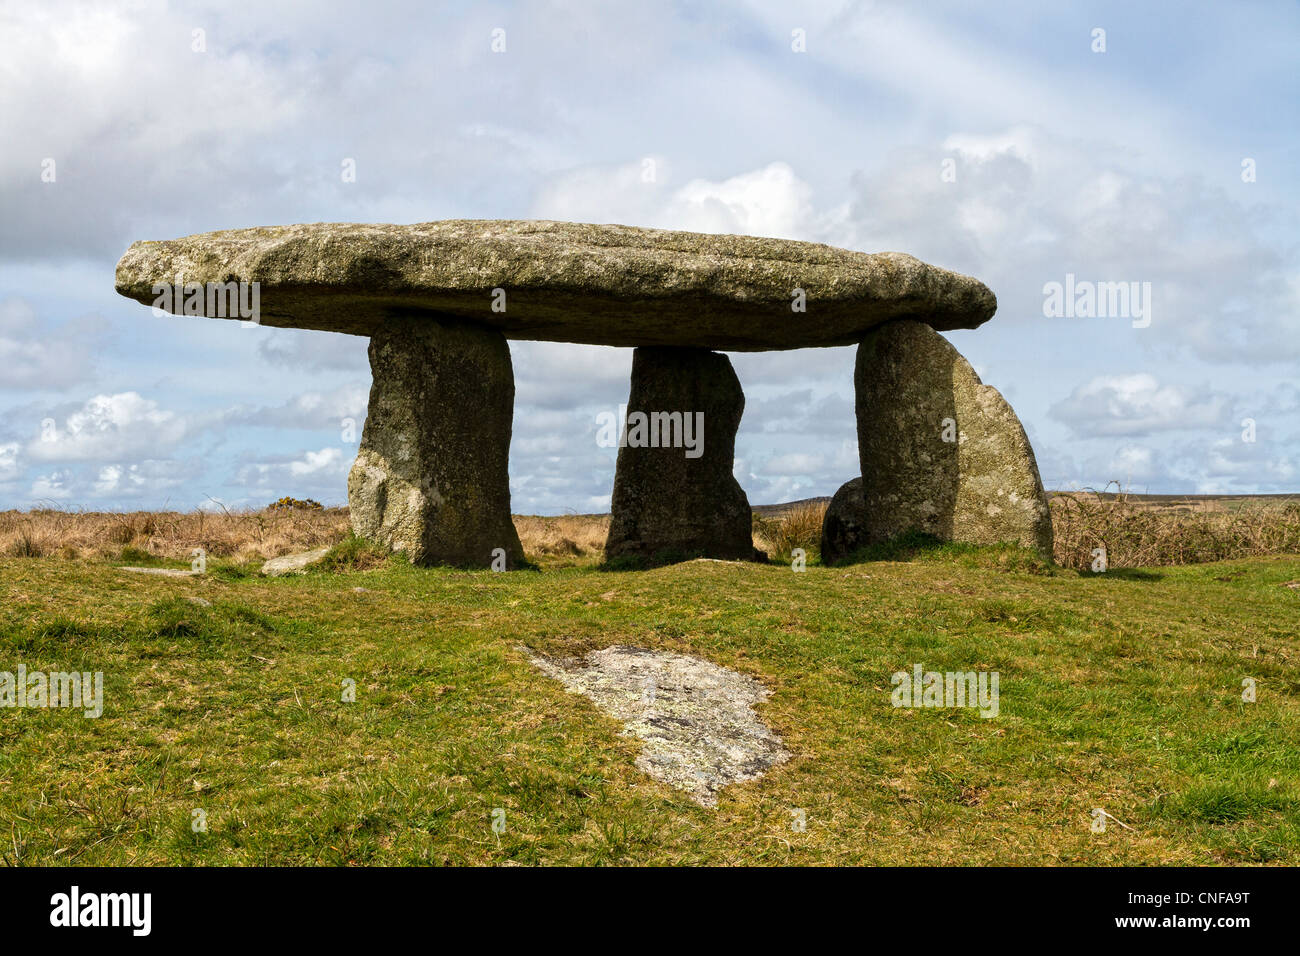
column 941, row 453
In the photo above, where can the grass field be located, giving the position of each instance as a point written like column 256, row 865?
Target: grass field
column 1120, row 691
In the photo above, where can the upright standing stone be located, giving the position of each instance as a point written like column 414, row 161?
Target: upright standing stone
column 842, row 527
column 431, row 478
column 941, row 452
column 674, row 492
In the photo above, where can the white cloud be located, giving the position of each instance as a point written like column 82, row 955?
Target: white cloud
column 842, row 144
column 792, row 464
column 109, row 480
column 321, row 473
column 782, row 489
column 631, row 193
column 771, row 201
column 51, row 487
column 315, row 462
column 1133, row 463
column 560, row 376
column 8, row 461
column 1029, row 206
column 111, row 428
column 1138, row 404
column 315, row 351
column 1261, row 463
column 1017, row 141
column 39, row 355
column 149, row 479
column 308, row 410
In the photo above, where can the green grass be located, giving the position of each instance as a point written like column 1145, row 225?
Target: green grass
column 1119, row 691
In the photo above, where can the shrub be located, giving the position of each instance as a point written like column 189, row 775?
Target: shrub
column 799, row 526
column 300, row 504
column 28, row 544
column 353, row 554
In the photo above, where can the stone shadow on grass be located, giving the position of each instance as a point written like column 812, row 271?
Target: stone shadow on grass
column 641, row 562
column 921, row 546
column 1124, row 574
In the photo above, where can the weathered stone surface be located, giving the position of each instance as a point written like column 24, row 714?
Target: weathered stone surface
column 913, row 391
column 565, row 282
column 843, row 527
column 695, row 717
column 164, row 572
column 431, row 476
column 666, row 503
column 293, row 563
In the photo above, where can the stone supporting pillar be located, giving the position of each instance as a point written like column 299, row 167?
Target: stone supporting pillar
column 674, row 493
column 431, row 478
column 940, row 452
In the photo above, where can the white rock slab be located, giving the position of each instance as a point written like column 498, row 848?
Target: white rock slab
column 695, row 718
column 164, row 572
column 293, row 563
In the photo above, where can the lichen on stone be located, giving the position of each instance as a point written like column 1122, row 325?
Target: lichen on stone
column 565, row 282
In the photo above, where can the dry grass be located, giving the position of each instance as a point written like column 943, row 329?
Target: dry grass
column 566, row 539
column 1137, row 533
column 246, row 535
column 1134, row 532
column 800, row 526
column 171, row 535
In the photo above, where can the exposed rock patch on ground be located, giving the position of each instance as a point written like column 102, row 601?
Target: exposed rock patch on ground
column 695, row 718
column 293, row 563
column 163, row 572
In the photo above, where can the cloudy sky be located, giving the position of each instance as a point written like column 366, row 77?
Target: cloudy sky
column 996, row 142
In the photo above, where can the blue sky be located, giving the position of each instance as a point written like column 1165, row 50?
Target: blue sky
column 1122, row 165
